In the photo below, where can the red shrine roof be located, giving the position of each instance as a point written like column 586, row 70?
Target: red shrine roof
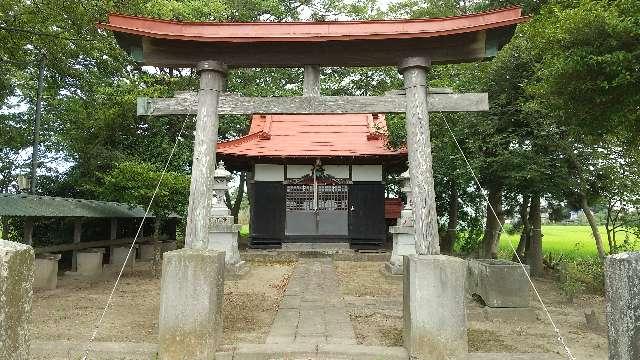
column 312, row 136
column 312, row 31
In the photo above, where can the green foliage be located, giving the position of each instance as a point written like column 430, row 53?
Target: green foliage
column 568, row 282
column 135, row 183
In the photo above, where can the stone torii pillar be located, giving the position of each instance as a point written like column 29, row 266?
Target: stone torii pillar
column 434, row 309
column 420, row 160
column 192, row 287
column 212, row 80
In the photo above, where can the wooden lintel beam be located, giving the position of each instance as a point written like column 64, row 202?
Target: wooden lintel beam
column 187, row 103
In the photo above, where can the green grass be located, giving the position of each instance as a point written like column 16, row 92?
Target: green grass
column 244, row 230
column 570, row 241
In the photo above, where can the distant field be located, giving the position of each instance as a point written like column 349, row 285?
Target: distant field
column 571, row 241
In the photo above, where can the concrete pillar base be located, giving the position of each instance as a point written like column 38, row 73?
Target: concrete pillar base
column 89, row 263
column 191, row 298
column 224, row 237
column 46, row 271
column 404, row 243
column 16, row 292
column 119, row 254
column 146, row 252
column 435, row 325
column 622, row 305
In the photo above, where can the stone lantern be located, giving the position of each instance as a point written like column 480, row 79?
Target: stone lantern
column 404, row 242
column 219, row 187
column 223, row 232
column 406, row 216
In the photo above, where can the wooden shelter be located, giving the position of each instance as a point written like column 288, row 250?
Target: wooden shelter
column 66, row 225
column 315, row 178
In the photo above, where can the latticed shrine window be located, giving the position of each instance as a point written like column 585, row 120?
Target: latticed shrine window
column 300, row 197
column 333, row 197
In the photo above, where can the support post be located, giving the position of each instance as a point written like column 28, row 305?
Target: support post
column 77, row 237
column 311, row 83
column 16, row 292
column 414, row 73
column 113, row 229
column 622, row 305
column 28, row 231
column 191, row 297
column 212, row 77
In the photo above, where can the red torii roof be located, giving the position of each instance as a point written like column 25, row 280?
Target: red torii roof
column 311, row 31
column 330, row 43
column 287, row 138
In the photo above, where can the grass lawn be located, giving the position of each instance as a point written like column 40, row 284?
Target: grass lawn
column 570, row 241
column 244, row 230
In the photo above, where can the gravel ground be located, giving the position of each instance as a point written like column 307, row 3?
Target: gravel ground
column 71, row 311
column 375, row 304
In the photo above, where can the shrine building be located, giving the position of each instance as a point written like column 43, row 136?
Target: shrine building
column 315, row 178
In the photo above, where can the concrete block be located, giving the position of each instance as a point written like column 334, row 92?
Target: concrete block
column 622, row 305
column 404, row 243
column 46, row 271
column 500, row 283
column 435, row 325
column 90, row 262
column 146, row 251
column 225, row 238
column 169, row 246
column 16, row 293
column 191, row 298
column 119, row 254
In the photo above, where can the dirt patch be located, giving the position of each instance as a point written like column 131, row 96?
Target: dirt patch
column 374, row 302
column 70, row 312
column 251, row 303
column 487, row 341
column 375, row 308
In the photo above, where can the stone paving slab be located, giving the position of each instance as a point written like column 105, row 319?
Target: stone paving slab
column 312, row 310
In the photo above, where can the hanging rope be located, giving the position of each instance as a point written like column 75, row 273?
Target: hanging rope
column 533, row 286
column 113, row 290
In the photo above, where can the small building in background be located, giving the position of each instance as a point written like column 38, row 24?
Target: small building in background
column 315, row 179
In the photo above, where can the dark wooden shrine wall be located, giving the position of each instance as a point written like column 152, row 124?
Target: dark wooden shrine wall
column 367, row 228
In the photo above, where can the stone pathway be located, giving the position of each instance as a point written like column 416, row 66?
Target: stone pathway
column 312, row 310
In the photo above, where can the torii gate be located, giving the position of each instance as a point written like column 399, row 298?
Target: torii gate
column 412, row 45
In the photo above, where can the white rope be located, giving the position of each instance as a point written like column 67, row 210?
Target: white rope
column 533, row 286
column 113, row 290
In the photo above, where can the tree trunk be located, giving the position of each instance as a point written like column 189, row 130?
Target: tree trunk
column 156, row 264
column 234, row 207
column 5, row 228
column 492, row 228
column 594, row 226
column 526, row 228
column 452, row 226
column 534, row 255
